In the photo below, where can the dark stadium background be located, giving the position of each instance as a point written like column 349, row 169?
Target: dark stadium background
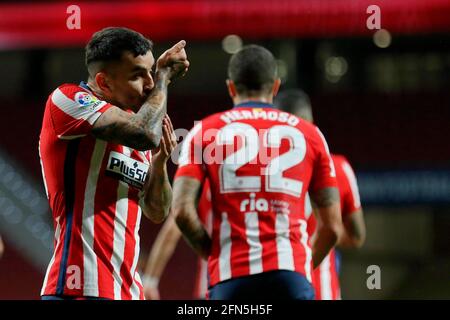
column 381, row 100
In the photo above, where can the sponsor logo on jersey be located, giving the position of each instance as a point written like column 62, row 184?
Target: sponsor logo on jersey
column 126, row 169
column 253, row 204
column 85, row 99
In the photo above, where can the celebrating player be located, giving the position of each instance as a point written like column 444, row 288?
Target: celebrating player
column 98, row 172
column 260, row 163
column 326, row 277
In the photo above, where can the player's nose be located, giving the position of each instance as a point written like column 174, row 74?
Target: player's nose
column 148, row 82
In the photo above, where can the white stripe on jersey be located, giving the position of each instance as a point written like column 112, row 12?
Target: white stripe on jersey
column 42, row 169
column 203, row 274
column 255, row 250
column 304, row 242
column 333, row 170
column 225, row 248
column 120, row 225
column 353, row 184
column 74, row 109
column 308, row 206
column 90, row 273
column 284, row 247
column 325, row 279
column 52, row 261
column 134, row 289
column 137, row 283
column 185, row 152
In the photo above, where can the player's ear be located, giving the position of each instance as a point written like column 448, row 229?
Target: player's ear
column 231, row 88
column 276, row 86
column 103, row 83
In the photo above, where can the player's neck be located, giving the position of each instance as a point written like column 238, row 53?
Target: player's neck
column 264, row 99
column 95, row 89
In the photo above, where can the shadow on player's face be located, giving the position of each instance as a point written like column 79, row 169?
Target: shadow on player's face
column 131, row 80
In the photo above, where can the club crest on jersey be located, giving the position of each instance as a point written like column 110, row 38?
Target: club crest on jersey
column 85, row 99
column 126, row 169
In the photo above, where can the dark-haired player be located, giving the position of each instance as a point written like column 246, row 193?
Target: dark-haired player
column 98, row 171
column 260, row 163
column 326, row 277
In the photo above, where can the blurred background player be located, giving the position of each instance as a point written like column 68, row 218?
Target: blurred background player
column 326, row 276
column 164, row 247
column 2, row 247
column 97, row 168
column 259, row 245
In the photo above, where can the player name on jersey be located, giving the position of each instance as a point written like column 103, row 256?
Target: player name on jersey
column 259, row 113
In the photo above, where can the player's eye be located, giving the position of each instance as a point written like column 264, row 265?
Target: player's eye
column 135, row 76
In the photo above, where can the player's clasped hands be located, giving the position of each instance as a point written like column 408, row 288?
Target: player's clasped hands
column 168, row 141
column 174, row 60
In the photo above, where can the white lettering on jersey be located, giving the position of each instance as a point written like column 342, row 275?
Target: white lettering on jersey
column 258, row 113
column 126, row 169
column 252, row 204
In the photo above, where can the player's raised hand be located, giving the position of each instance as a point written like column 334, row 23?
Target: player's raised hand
column 168, row 142
column 174, row 60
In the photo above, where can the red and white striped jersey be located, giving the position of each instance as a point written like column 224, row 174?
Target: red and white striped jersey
column 260, row 162
column 205, row 214
column 325, row 277
column 93, row 188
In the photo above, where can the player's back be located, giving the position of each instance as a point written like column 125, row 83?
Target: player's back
column 260, row 162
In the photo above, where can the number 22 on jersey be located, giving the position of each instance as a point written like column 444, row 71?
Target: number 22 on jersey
column 275, row 182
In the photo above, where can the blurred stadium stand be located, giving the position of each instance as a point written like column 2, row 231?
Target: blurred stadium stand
column 386, row 109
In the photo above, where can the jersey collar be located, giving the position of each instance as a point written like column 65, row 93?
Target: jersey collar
column 84, row 85
column 254, row 104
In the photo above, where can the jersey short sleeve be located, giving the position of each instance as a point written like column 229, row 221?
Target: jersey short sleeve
column 190, row 162
column 74, row 111
column 350, row 200
column 324, row 173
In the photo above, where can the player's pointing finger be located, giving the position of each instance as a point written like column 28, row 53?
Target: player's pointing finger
column 178, row 47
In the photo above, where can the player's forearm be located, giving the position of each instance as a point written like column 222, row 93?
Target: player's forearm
column 140, row 131
column 192, row 229
column 158, row 193
column 163, row 248
column 353, row 234
column 326, row 204
column 152, row 112
column 323, row 241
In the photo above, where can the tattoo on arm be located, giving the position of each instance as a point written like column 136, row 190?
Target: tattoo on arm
column 186, row 191
column 153, row 110
column 141, row 131
column 325, row 197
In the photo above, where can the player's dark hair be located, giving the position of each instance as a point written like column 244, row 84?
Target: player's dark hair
column 110, row 43
column 294, row 101
column 253, row 68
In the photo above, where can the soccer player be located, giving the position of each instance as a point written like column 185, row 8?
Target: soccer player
column 326, row 276
column 98, row 171
column 260, row 163
column 165, row 244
